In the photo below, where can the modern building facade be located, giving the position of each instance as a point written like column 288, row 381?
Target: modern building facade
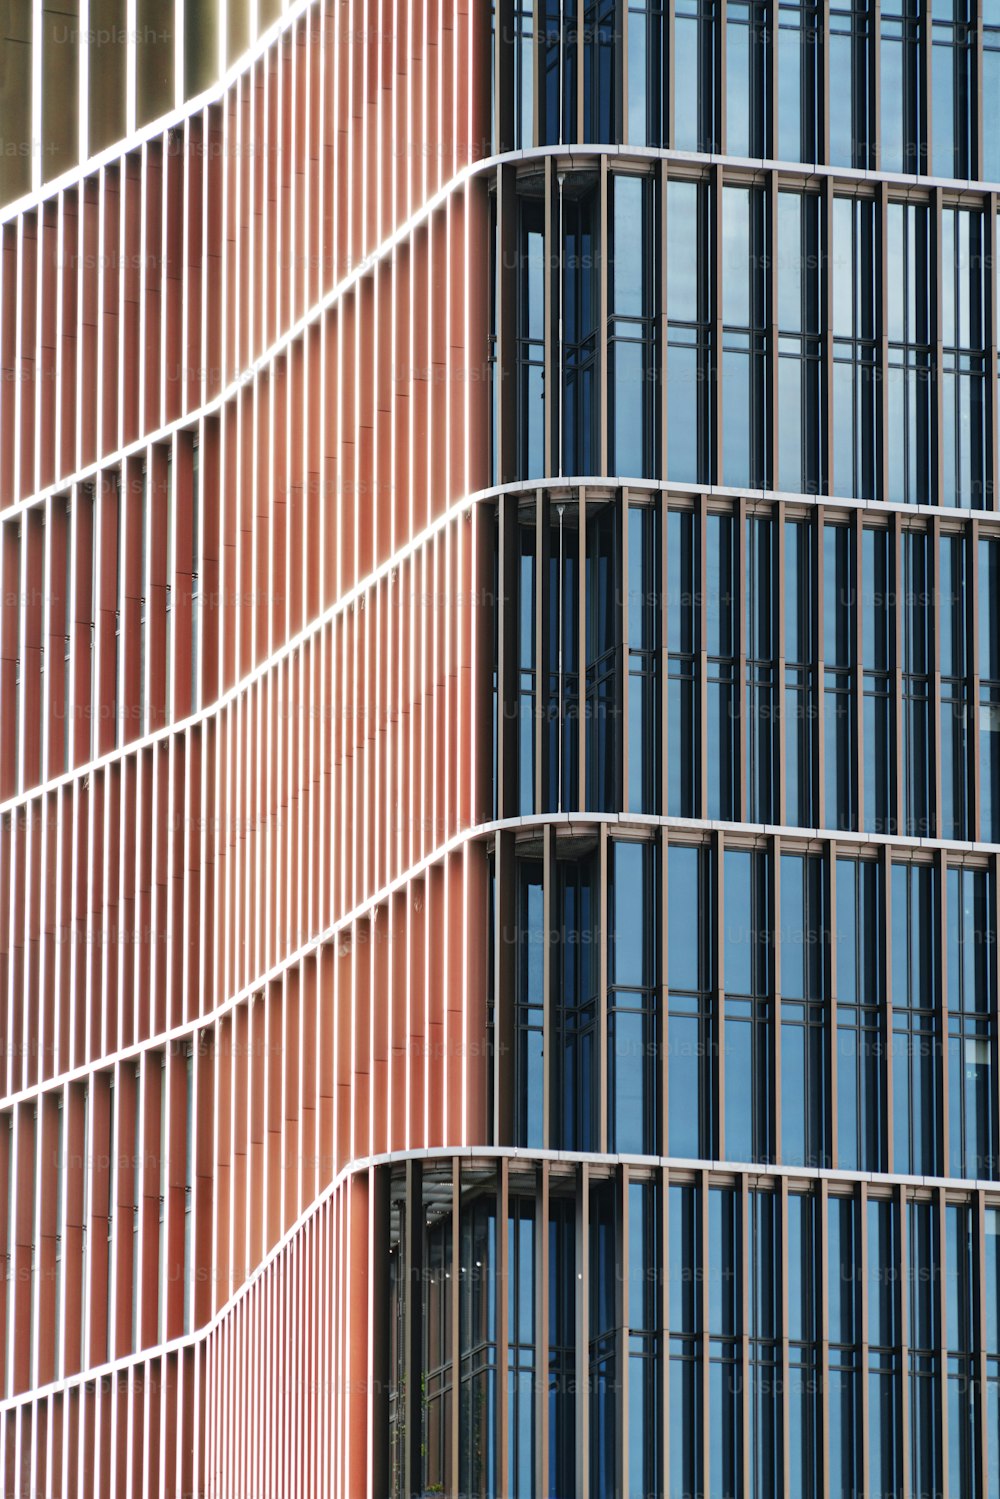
column 500, row 749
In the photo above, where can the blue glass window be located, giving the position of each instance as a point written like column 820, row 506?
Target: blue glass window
column 683, row 720
column 989, row 688
column 561, row 652
column 915, row 1020
column 902, row 104
column 883, row 1349
column 803, row 1012
column 633, row 359
column 647, row 102
column 971, row 961
column 600, row 75
column 953, row 602
column 527, row 662
column 910, row 336
column 531, row 342
column 960, row 1342
column 644, row 1414
column 530, row 1004
column 800, row 676
column 684, row 1270
column 575, row 983
column 877, row 647
column 603, row 645
column 839, row 651
column 804, row 1430
column 579, row 335
column 725, row 1326
column 798, row 82
column 748, row 1012
column 764, row 1277
column 760, row 647
column 924, row 1356
column 963, row 335
column 690, row 982
column 989, row 97
column 991, row 1297
column 644, row 604
column 745, row 456
column 688, row 282
column 633, row 963
column 477, row 1457
column 694, row 75
column 604, row 1325
column 799, row 346
column 860, row 1083
column 854, row 456
column 852, row 108
column 562, row 1378
column 951, row 94
column 747, row 48
column 521, row 1346
column 917, row 653
column 844, row 1391
column 720, row 644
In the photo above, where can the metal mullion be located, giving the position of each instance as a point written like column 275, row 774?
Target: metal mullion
column 663, row 1180
column 503, row 1326
column 817, row 767
column 720, row 143
column 742, row 799
column 621, row 54
column 541, row 1370
column 508, row 666
column 704, row 1344
column 552, row 272
column 772, row 117
column 993, row 426
column 925, row 161
column 941, row 917
column 973, row 687
column 548, row 1049
column 581, row 791
column 995, row 1008
column 455, row 1351
column 940, row 1318
column 882, row 341
column 823, row 28
column 857, row 670
column 663, row 1037
column 602, row 991
column 976, row 47
column 827, row 475
column 716, row 474
column 701, row 515
column 824, row 1324
column 898, row 800
column 936, row 819
column 772, row 419
column 621, row 1181
column 602, row 318
column 581, row 28
column 830, row 973
column 885, row 918
column 541, row 686
column 903, row 1312
column 624, row 674
column 413, row 1325
column 662, row 179
column 583, row 1331
column 937, row 315
column 744, row 1335
column 719, row 997
column 784, row 1348
column 780, row 809
column 506, row 918
column 981, row 1405
column 863, row 1347
column 774, row 881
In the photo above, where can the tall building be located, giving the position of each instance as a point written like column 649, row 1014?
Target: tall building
column 500, row 749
